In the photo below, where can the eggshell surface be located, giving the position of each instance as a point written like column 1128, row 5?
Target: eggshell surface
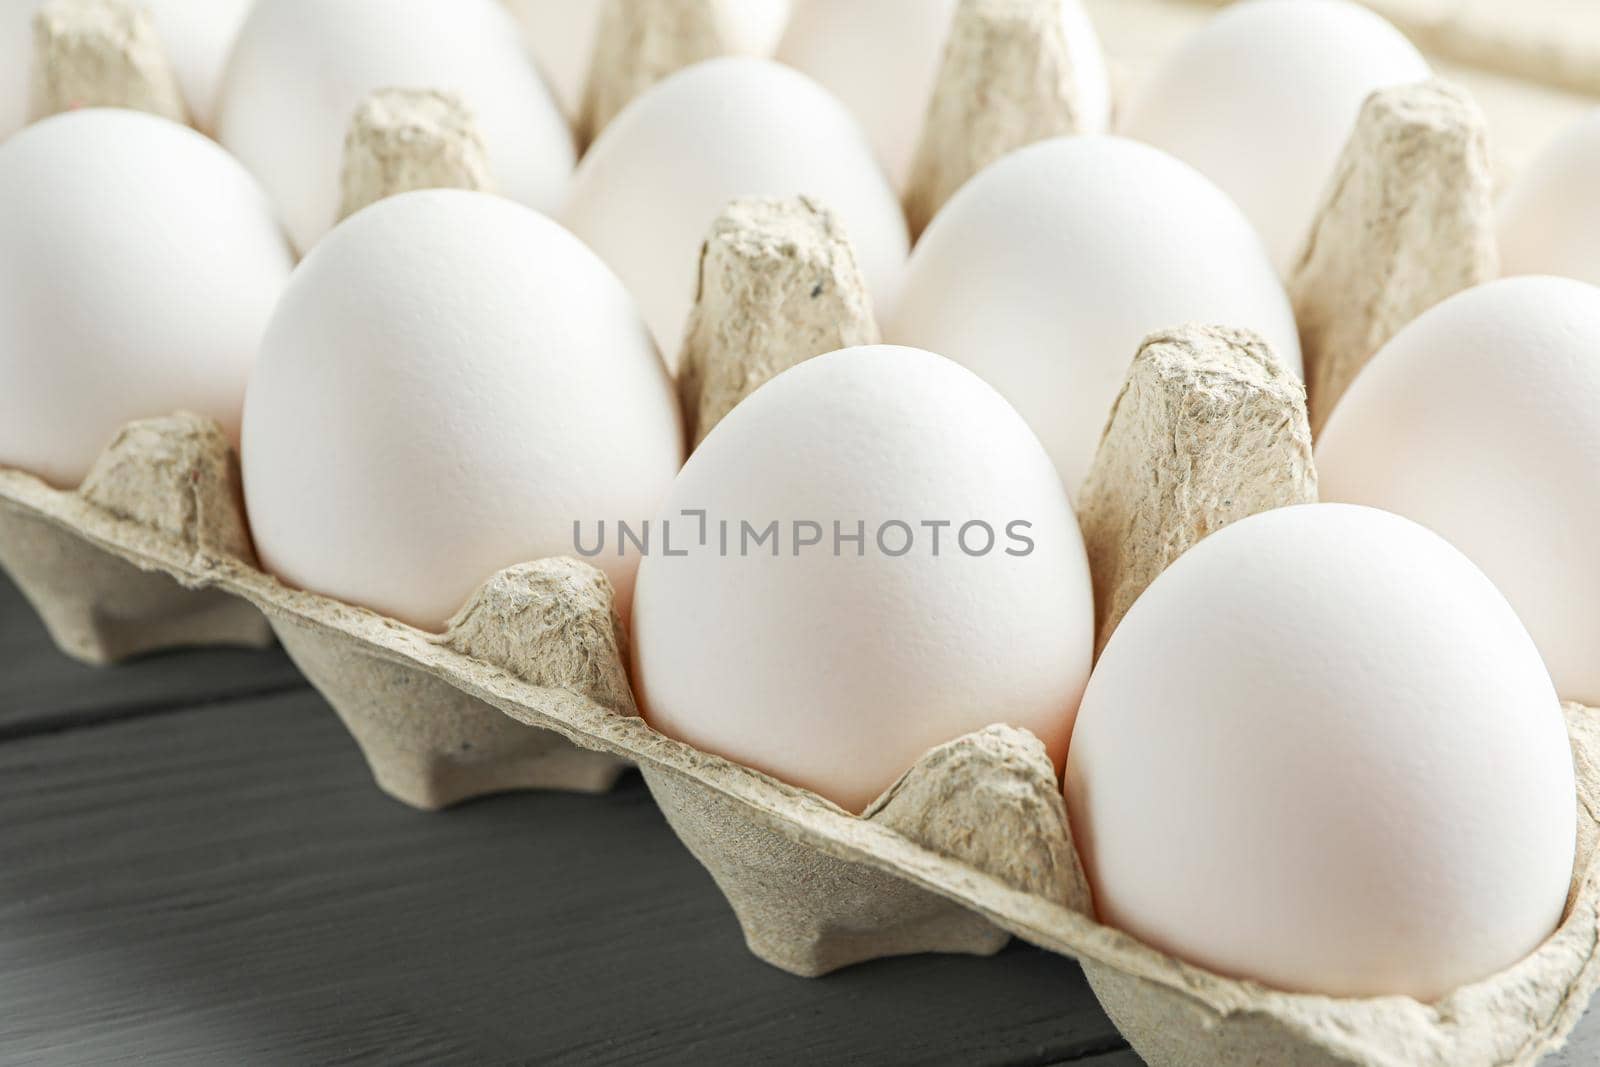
column 835, row 668
column 1046, row 271
column 648, row 190
column 449, row 384
column 1322, row 753
column 1549, row 220
column 1263, row 98
column 562, row 35
column 197, row 35
column 302, row 67
column 882, row 59
column 139, row 264
column 1478, row 420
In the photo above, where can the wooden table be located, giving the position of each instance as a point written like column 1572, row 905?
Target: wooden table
column 196, row 868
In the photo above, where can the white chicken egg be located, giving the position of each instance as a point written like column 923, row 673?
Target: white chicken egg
column 1322, row 753
column 302, row 67
column 1262, row 99
column 1479, row 420
column 196, row 34
column 834, row 664
column 139, row 263
column 450, row 383
column 650, row 187
column 882, row 57
column 1045, row 272
column 1550, row 217
column 562, row 36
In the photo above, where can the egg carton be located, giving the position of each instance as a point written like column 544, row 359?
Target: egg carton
column 527, row 685
column 972, row 845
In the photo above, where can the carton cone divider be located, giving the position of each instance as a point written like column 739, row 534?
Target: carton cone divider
column 101, row 53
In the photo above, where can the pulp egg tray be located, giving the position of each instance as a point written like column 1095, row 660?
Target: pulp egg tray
column 527, row 687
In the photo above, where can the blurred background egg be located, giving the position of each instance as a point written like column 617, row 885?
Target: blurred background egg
column 882, row 57
column 562, row 35
column 196, row 34
column 1322, row 753
column 1550, row 217
column 449, row 384
column 835, row 670
column 302, row 67
column 1045, row 272
column 649, row 188
column 1262, row 99
column 139, row 264
column 1481, row 420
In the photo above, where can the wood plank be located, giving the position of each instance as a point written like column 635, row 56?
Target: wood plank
column 227, row 886
column 41, row 689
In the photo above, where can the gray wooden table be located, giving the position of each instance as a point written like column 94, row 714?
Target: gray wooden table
column 195, row 868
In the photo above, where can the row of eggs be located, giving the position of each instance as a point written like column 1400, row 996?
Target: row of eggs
column 1321, row 750
column 1282, row 73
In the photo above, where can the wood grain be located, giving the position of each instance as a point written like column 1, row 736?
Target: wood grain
column 225, row 885
column 41, row 689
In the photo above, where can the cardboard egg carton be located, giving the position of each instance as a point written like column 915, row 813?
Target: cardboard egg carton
column 527, row 686
column 970, row 847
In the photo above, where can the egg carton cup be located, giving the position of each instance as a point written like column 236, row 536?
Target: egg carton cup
column 163, row 502
column 97, row 606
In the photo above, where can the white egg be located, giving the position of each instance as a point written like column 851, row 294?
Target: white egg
column 302, row 67
column 1263, row 98
column 197, row 36
column 562, row 35
column 1479, row 420
column 1046, row 271
column 1322, row 753
column 882, row 58
column 650, row 187
column 449, row 384
column 139, row 264
column 1550, row 218
column 835, row 665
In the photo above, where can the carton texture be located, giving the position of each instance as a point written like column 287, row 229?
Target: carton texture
column 1006, row 81
column 1407, row 220
column 1210, row 427
column 638, row 43
column 988, row 799
column 779, row 284
column 173, row 481
column 406, row 139
column 101, row 53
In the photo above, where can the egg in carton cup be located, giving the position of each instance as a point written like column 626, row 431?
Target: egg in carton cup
column 972, row 845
